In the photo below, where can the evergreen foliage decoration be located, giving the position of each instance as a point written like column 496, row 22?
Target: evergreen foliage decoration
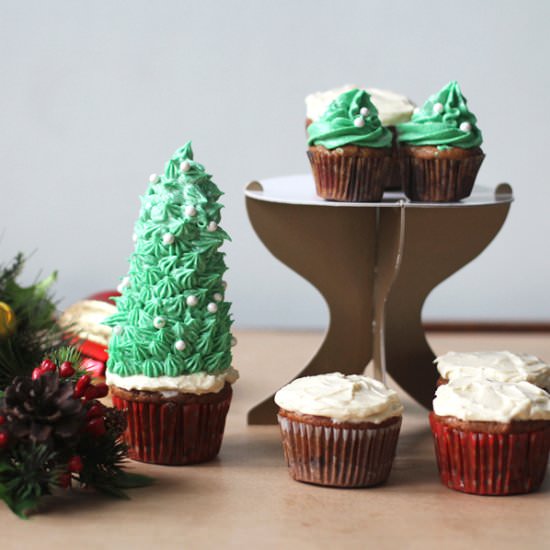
column 54, row 433
column 28, row 327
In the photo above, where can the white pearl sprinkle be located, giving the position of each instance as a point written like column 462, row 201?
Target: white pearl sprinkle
column 212, row 226
column 153, row 178
column 233, row 341
column 363, row 111
column 465, row 126
column 117, row 330
column 179, row 345
column 185, row 165
column 224, row 284
column 359, row 122
column 159, row 322
column 192, row 301
column 190, row 211
column 168, row 238
column 134, row 238
column 218, row 297
column 416, row 110
column 212, row 307
column 438, row 108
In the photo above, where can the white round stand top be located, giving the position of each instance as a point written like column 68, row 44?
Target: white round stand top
column 300, row 189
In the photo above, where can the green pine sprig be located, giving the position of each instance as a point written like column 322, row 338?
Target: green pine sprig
column 36, row 332
column 27, row 473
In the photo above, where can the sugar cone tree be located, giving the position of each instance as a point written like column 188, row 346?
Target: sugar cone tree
column 172, row 318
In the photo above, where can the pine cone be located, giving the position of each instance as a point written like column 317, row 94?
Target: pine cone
column 43, row 410
column 115, row 421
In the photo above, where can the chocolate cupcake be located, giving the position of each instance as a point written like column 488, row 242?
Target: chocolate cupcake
column 440, row 152
column 349, row 150
column 339, row 430
column 169, row 361
column 491, row 438
column 501, row 366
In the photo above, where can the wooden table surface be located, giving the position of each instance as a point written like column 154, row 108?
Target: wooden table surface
column 245, row 498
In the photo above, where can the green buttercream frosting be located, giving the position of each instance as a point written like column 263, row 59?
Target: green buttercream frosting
column 351, row 119
column 443, row 121
column 172, row 318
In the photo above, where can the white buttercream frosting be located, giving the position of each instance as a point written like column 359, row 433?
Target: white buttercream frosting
column 351, row 398
column 471, row 398
column 503, row 366
column 392, row 108
column 196, row 383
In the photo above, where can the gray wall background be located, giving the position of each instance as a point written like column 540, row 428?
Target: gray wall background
column 95, row 96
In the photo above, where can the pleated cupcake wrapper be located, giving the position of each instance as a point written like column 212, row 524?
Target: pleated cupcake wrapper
column 490, row 464
column 339, row 457
column 437, row 179
column 350, row 178
column 173, row 433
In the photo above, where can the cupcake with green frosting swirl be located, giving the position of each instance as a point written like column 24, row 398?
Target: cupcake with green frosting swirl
column 440, row 148
column 170, row 355
column 350, row 150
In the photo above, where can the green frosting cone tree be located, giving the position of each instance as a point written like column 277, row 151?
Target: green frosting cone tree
column 172, row 318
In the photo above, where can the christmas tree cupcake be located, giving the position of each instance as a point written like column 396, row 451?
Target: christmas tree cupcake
column 170, row 353
column 350, row 150
column 440, row 148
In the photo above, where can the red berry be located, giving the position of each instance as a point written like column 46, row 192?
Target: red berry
column 2, row 419
column 101, row 390
column 97, row 409
column 65, row 480
column 36, row 373
column 66, row 369
column 3, row 439
column 96, row 426
column 75, row 464
column 89, row 393
column 81, row 385
column 47, row 366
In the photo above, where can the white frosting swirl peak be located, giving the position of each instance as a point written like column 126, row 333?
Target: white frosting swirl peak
column 503, row 366
column 477, row 399
column 351, row 398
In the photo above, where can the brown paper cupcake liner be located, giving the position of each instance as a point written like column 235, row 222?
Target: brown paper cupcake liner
column 174, row 432
column 438, row 179
column 338, row 456
column 490, row 463
column 353, row 178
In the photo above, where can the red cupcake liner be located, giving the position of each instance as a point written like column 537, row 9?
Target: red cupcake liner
column 490, row 463
column 353, row 178
column 337, row 456
column 172, row 432
column 438, row 179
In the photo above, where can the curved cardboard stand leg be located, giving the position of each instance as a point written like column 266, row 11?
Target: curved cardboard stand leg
column 432, row 245
column 334, row 250
column 375, row 268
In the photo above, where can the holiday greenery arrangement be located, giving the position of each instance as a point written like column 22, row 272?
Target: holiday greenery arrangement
column 28, row 328
column 54, row 433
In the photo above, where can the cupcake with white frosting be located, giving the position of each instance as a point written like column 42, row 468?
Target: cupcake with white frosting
column 339, row 430
column 491, row 437
column 502, row 366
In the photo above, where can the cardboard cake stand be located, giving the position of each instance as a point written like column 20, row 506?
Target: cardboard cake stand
column 375, row 264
